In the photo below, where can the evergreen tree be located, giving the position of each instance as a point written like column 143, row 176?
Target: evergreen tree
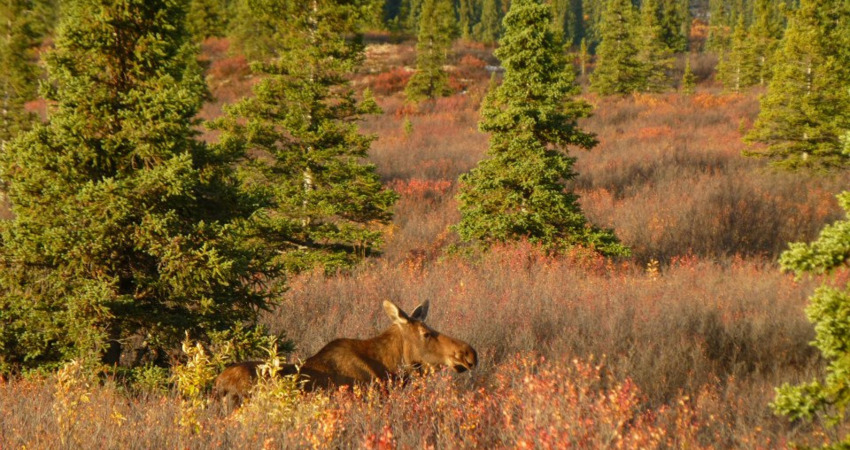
column 653, row 54
column 738, row 68
column 467, row 17
column 18, row 40
column 255, row 35
column 489, row 28
column 432, row 48
column 807, row 105
column 688, row 79
column 206, row 18
column 719, row 26
column 592, row 12
column 765, row 33
column 300, row 126
column 618, row 69
column 565, row 22
column 829, row 311
column 411, row 11
column 584, row 57
column 675, row 24
column 518, row 191
column 126, row 225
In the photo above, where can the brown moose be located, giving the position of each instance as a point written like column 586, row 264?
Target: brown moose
column 408, row 344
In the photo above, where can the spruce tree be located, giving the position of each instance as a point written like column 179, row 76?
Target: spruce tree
column 807, row 106
column 301, row 130
column 126, row 225
column 518, row 191
column 618, row 68
column 489, row 28
column 18, row 79
column 688, row 79
column 765, row 33
column 436, row 27
column 467, row 17
column 829, row 311
column 675, row 24
column 255, row 35
column 653, row 54
column 738, row 67
column 565, row 22
column 206, row 18
column 719, row 26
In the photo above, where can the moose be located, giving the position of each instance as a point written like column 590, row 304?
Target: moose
column 407, row 345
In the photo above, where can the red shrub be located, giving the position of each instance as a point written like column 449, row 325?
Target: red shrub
column 390, row 82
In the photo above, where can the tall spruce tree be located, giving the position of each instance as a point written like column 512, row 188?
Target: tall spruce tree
column 618, row 67
column 301, row 130
column 518, row 191
column 18, row 79
column 252, row 34
column 653, row 53
column 675, row 23
column 719, row 26
column 206, row 18
column 126, row 225
column 807, row 106
column 765, row 32
column 489, row 28
column 466, row 17
column 829, row 311
column 436, row 27
column 738, row 67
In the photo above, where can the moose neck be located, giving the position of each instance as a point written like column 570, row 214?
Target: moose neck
column 389, row 348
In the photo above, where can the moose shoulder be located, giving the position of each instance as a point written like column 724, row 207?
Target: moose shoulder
column 407, row 343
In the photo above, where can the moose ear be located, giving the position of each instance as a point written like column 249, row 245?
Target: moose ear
column 421, row 312
column 395, row 313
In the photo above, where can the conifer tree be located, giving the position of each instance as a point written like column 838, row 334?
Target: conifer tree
column 675, row 24
column 206, row 18
column 254, row 35
column 738, row 67
column 688, row 78
column 411, row 11
column 467, row 17
column 584, row 57
column 489, row 28
column 719, row 26
column 765, row 33
column 301, row 128
column 618, row 69
column 829, row 311
column 518, row 191
column 807, row 106
column 126, row 225
column 18, row 79
column 565, row 22
column 432, row 51
column 653, row 54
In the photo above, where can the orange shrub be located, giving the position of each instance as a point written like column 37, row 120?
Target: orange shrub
column 391, row 81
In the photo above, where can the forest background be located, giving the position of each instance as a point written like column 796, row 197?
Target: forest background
column 680, row 343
